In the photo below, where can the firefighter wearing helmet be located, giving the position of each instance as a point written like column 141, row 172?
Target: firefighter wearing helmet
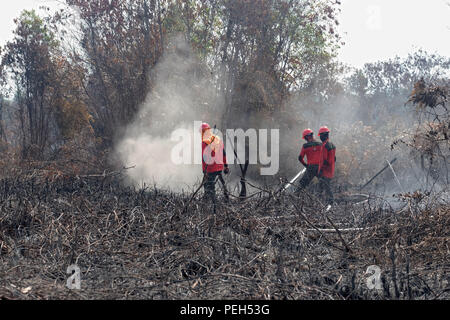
column 214, row 161
column 329, row 160
column 312, row 149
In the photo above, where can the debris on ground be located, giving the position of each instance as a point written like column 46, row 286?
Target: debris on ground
column 140, row 244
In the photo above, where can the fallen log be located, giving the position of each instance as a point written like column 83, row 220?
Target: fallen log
column 379, row 172
column 344, row 229
column 337, row 230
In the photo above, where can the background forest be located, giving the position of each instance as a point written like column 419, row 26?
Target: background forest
column 77, row 81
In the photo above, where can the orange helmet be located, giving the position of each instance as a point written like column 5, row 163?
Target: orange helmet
column 323, row 130
column 204, row 127
column 307, row 132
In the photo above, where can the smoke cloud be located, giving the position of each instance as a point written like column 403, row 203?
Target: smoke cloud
column 364, row 141
column 183, row 93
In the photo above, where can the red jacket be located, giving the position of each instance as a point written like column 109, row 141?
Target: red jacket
column 313, row 152
column 211, row 147
column 329, row 159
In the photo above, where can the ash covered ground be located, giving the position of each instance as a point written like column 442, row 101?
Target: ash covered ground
column 152, row 244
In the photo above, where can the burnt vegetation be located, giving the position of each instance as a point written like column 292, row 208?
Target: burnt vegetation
column 140, row 244
column 72, row 82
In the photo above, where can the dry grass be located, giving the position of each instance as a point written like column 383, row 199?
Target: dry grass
column 133, row 244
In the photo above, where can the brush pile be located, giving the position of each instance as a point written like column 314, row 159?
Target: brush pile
column 150, row 244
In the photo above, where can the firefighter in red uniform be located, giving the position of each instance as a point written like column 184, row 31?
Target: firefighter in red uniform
column 329, row 160
column 214, row 161
column 312, row 149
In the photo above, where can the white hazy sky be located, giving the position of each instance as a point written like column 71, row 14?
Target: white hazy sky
column 380, row 29
column 11, row 9
column 372, row 29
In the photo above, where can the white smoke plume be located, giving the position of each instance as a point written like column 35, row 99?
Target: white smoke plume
column 182, row 93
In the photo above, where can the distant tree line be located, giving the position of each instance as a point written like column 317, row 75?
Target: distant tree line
column 82, row 73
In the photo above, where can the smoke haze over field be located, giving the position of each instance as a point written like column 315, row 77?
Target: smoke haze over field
column 364, row 133
column 182, row 94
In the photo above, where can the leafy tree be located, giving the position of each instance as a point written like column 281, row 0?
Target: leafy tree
column 48, row 92
column 28, row 59
column 260, row 51
column 430, row 139
column 121, row 41
column 383, row 87
column 2, row 127
column 71, row 112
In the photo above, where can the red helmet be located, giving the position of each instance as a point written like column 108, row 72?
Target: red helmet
column 323, row 130
column 204, row 127
column 307, row 132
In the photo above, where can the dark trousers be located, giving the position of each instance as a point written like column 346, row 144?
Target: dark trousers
column 311, row 172
column 210, row 185
column 325, row 186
